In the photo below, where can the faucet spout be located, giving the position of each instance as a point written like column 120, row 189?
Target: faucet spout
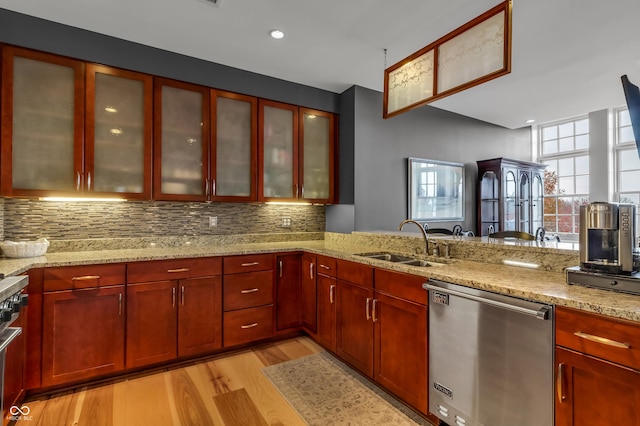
column 424, row 233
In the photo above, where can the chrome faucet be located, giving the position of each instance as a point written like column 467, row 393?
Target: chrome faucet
column 424, row 233
column 540, row 233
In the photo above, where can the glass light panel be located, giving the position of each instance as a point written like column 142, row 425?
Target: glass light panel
column 582, row 127
column 565, row 167
column 43, row 126
column 566, row 185
column 582, row 141
column 316, row 156
column 233, row 146
column 628, row 160
column 182, row 141
column 119, row 134
column 582, row 184
column 550, row 147
column 623, row 118
column 582, row 165
column 411, row 83
column 278, row 153
column 566, row 144
column 629, row 181
column 625, row 134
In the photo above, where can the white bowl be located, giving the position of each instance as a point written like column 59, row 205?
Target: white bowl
column 25, row 248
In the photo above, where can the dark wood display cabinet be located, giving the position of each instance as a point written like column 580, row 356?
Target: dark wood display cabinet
column 73, row 128
column 510, row 196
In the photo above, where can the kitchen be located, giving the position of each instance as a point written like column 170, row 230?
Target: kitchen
column 368, row 200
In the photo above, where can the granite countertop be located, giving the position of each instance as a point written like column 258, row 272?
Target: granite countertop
column 542, row 286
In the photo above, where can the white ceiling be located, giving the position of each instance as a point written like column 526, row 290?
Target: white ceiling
column 568, row 55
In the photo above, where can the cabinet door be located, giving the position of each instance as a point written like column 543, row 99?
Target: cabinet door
column 118, row 132
column 327, row 311
column 308, row 292
column 199, row 315
column 510, row 200
column 316, row 152
column 83, row 334
column 42, row 123
column 488, row 203
column 590, row 391
column 401, row 348
column 234, row 150
column 537, row 202
column 278, row 147
column 151, row 323
column 524, row 198
column 355, row 326
column 181, row 141
column 288, row 313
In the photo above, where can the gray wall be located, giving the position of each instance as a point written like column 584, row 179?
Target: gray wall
column 381, row 148
column 26, row 31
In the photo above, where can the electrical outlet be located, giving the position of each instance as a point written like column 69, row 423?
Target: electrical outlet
column 286, row 222
column 213, row 221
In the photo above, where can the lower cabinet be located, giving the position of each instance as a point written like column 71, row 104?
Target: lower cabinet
column 248, row 292
column 173, row 309
column 288, row 292
column 597, row 370
column 308, row 293
column 83, row 323
column 326, row 302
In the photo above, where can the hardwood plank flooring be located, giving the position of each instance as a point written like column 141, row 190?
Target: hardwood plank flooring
column 226, row 389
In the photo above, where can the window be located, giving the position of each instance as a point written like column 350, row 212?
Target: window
column 626, row 162
column 564, row 148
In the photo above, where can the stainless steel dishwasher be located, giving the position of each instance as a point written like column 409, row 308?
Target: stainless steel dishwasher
column 490, row 358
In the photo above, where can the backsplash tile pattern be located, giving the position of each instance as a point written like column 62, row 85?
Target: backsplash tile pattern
column 30, row 219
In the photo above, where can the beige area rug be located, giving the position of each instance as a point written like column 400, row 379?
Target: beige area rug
column 324, row 391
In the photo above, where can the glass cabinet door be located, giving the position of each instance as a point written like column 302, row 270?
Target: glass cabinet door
column 119, row 117
column 316, row 136
column 278, row 145
column 523, row 203
column 181, row 141
column 42, row 123
column 510, row 201
column 537, row 202
column 234, row 122
column 489, row 203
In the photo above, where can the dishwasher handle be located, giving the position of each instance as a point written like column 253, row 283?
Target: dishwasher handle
column 541, row 313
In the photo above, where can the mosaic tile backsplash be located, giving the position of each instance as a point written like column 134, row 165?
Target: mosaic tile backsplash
column 30, row 219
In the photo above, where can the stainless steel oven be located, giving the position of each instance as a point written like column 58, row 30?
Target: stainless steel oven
column 12, row 300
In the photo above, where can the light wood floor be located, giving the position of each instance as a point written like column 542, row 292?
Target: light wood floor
column 223, row 390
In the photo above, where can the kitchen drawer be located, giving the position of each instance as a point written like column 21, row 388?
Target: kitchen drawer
column 173, row 269
column 247, row 325
column 401, row 285
column 79, row 277
column 611, row 339
column 248, row 290
column 355, row 273
column 326, row 266
column 249, row 263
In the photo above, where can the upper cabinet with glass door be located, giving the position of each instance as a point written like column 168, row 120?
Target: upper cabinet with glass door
column 42, row 123
column 118, row 132
column 234, row 149
column 53, row 145
column 317, row 152
column 181, row 141
column 297, row 154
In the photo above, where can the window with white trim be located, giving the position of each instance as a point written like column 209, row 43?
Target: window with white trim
column 626, row 162
column 564, row 148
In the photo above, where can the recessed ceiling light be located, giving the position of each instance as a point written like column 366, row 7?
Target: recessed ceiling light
column 530, row 121
column 277, row 34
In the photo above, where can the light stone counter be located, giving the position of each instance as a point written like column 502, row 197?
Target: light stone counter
column 548, row 286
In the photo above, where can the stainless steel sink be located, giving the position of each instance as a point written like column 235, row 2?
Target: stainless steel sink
column 399, row 258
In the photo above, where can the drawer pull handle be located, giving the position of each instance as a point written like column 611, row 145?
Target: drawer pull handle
column 560, row 384
column 249, row 290
column 86, row 278
column 602, row 340
column 325, row 266
column 171, row 271
column 250, row 264
column 255, row 324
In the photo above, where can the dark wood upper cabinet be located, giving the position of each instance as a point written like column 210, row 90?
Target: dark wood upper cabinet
column 317, row 153
column 234, row 147
column 74, row 129
column 181, row 141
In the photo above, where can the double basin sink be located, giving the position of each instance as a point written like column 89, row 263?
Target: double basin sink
column 399, row 258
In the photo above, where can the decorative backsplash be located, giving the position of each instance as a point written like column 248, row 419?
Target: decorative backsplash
column 22, row 219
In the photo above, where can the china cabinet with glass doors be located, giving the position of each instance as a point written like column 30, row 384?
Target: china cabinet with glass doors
column 70, row 128
column 296, row 147
column 510, row 196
